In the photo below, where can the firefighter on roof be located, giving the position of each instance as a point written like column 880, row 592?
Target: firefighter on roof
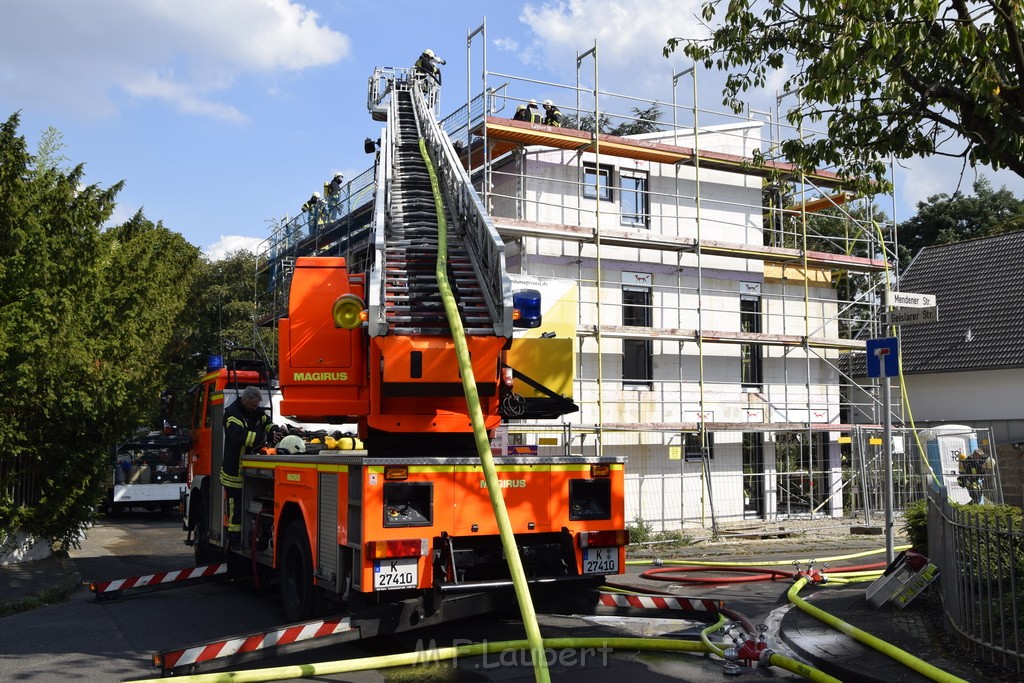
column 246, row 429
column 427, row 64
column 552, row 116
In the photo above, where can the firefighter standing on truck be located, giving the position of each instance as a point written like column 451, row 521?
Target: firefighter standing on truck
column 246, row 429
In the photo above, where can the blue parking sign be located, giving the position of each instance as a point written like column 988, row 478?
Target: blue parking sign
column 883, row 356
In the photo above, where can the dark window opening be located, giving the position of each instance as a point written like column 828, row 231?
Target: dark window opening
column 637, row 354
column 693, row 449
column 751, row 372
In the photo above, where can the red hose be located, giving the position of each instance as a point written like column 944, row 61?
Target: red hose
column 677, row 574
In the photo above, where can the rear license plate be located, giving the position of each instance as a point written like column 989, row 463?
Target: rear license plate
column 391, row 574
column 601, row 561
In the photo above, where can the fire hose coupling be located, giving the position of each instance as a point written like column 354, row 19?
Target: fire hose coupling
column 766, row 655
column 811, row 574
column 751, row 650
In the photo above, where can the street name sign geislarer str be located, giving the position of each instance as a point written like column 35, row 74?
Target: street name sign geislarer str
column 911, row 309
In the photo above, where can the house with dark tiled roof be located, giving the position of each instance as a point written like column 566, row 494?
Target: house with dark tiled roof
column 968, row 367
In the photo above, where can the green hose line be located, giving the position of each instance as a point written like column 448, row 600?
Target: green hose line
column 483, row 445
column 282, row 673
column 801, row 669
column 901, row 656
column 770, row 563
column 712, row 648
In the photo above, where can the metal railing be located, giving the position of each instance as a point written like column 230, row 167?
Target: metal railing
column 472, row 221
column 980, row 554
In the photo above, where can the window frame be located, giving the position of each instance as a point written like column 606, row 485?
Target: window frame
column 642, row 216
column 603, row 191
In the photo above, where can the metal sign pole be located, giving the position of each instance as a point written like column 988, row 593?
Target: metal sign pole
column 883, row 362
column 887, row 438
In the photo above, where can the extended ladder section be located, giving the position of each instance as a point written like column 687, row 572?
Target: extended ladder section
column 403, row 297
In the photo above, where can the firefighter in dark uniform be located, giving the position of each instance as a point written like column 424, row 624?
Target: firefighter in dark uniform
column 246, row 429
column 552, row 115
column 427, row 65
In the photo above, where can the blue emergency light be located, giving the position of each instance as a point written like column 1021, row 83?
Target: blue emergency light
column 527, row 302
column 214, row 362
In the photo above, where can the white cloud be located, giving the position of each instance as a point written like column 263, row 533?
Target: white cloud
column 507, row 44
column 229, row 243
column 79, row 55
column 630, row 37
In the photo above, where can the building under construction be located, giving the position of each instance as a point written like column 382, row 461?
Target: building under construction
column 707, row 303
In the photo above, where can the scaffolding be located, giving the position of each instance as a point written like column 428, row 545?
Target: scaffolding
column 722, row 294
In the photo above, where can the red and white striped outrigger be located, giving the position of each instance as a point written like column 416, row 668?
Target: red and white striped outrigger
column 113, row 588
column 229, row 651
column 660, row 602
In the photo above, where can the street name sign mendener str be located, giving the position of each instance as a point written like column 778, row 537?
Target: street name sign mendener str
column 909, row 300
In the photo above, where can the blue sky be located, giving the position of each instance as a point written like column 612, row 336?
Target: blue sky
column 221, row 115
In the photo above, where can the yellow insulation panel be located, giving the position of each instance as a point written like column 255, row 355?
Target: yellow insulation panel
column 548, row 361
column 790, row 272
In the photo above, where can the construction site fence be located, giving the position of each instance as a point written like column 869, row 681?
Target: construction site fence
column 979, row 550
column 677, row 480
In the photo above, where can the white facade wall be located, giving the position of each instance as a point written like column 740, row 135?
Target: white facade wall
column 545, row 186
column 958, row 397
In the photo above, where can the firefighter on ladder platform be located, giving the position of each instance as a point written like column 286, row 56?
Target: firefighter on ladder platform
column 246, row 429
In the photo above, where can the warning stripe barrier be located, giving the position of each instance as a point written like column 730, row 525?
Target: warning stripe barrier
column 206, row 652
column 158, row 579
column 661, row 602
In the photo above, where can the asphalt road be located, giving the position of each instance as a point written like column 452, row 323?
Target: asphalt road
column 114, row 641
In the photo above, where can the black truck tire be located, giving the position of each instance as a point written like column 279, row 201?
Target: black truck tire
column 198, row 514
column 298, row 593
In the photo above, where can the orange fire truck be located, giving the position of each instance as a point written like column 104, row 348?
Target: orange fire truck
column 409, row 515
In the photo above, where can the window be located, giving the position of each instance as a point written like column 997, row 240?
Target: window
column 207, row 408
column 751, row 374
column 637, row 354
column 692, row 446
column 597, row 182
column 633, row 199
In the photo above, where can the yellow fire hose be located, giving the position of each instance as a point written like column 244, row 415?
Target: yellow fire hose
column 901, row 656
column 282, row 673
column 483, row 445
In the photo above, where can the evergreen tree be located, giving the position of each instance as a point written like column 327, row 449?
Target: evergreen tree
column 85, row 315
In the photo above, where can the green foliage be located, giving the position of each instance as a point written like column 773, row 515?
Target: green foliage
column 86, row 313
column 642, row 121
column 915, row 523
column 990, row 536
column 220, row 314
column 903, row 79
column 945, row 219
column 640, row 531
column 50, row 596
